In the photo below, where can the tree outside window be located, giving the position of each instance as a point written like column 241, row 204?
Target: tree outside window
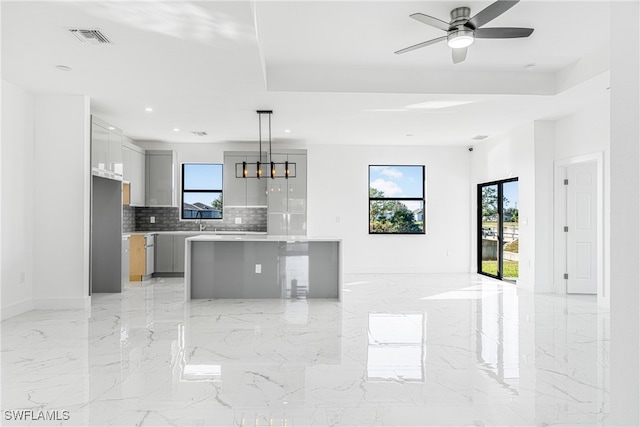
column 396, row 199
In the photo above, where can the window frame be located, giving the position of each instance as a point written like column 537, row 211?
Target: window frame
column 400, row 199
column 183, row 191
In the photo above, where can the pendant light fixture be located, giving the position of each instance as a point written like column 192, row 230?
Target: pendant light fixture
column 273, row 166
column 258, row 164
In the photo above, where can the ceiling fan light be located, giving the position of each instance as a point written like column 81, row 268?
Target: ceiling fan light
column 460, row 39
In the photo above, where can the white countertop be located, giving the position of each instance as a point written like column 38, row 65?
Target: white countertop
column 259, row 238
column 205, row 232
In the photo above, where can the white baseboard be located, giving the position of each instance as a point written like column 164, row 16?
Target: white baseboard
column 17, row 308
column 62, row 303
column 395, row 269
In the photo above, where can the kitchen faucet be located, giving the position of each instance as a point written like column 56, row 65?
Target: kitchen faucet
column 199, row 221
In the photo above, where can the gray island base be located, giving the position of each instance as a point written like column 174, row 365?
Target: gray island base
column 248, row 267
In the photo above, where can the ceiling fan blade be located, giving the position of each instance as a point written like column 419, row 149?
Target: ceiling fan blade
column 459, row 55
column 430, row 20
column 490, row 13
column 502, row 33
column 419, row 45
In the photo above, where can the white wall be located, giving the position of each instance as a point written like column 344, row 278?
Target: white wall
column 62, row 190
column 338, row 206
column 509, row 156
column 17, row 200
column 625, row 214
column 584, row 133
column 337, row 187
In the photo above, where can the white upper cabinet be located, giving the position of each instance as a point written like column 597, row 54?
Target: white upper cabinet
column 287, row 208
column 106, row 150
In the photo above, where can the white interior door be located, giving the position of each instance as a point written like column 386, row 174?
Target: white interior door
column 581, row 233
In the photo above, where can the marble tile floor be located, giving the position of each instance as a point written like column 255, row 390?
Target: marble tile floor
column 399, row 350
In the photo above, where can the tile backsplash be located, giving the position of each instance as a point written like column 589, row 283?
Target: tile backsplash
column 168, row 219
column 128, row 218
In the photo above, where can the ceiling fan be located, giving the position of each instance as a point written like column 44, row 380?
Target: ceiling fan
column 462, row 30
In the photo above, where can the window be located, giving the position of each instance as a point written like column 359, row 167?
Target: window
column 201, row 191
column 396, row 200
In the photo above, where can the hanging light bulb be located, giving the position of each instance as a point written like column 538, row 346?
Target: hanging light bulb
column 286, row 170
column 245, row 171
column 273, row 170
column 258, row 170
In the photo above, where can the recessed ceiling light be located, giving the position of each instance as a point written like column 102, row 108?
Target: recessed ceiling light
column 529, row 67
column 438, row 104
column 111, row 128
column 148, row 109
column 287, row 131
column 410, row 134
column 176, row 130
column 480, row 137
column 63, row 68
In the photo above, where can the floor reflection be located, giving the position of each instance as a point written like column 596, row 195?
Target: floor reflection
column 396, row 349
column 497, row 338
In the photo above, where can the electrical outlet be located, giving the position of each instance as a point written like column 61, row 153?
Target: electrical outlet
column 258, row 268
column 152, row 219
column 238, row 220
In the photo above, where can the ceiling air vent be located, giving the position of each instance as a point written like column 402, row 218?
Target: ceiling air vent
column 480, row 137
column 89, row 36
column 199, row 132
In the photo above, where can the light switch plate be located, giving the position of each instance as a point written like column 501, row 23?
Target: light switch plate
column 258, row 268
column 152, row 219
column 238, row 220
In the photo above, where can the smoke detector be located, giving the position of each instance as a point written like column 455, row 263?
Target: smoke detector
column 199, row 132
column 89, row 36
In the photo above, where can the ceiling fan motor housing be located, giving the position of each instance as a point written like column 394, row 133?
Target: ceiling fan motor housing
column 460, row 16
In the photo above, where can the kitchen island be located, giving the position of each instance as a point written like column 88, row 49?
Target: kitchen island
column 249, row 266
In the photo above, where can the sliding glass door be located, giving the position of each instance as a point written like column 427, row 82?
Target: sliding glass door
column 498, row 229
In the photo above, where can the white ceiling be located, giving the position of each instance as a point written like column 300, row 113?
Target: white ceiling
column 326, row 68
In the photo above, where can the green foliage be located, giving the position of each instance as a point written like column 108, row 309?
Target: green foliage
column 391, row 216
column 489, row 201
column 217, row 204
column 490, row 204
column 510, row 268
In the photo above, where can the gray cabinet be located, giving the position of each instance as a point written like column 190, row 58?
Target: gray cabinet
column 178, row 253
column 106, row 150
column 125, row 260
column 164, row 253
column 256, row 194
column 240, row 191
column 170, row 254
column 133, row 160
column 160, row 178
column 287, row 207
column 235, row 189
column 138, row 177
